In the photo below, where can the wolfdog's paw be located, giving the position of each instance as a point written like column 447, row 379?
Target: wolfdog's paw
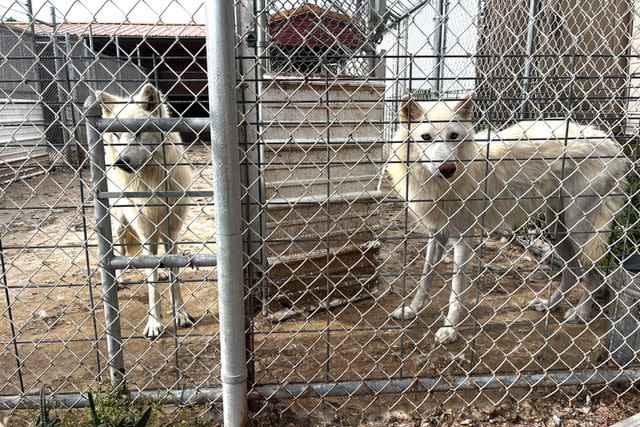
column 184, row 319
column 538, row 304
column 153, row 329
column 446, row 334
column 580, row 314
column 404, row 313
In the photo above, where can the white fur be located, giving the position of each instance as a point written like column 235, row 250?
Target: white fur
column 142, row 224
column 511, row 176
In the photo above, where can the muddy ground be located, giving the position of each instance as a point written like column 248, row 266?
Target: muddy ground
column 54, row 329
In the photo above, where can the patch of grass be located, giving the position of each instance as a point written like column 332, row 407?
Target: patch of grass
column 107, row 408
column 44, row 418
column 112, row 408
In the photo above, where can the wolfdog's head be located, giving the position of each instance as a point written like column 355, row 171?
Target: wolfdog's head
column 133, row 150
column 440, row 130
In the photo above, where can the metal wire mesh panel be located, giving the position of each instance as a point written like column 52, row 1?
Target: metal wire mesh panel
column 54, row 328
column 339, row 343
column 428, row 187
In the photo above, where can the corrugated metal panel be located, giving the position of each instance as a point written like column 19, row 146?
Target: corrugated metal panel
column 23, row 145
column 118, row 29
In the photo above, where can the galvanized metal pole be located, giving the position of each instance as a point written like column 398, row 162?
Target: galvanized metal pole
column 254, row 65
column 36, row 57
column 262, row 36
column 444, row 29
column 221, row 71
column 71, row 154
column 89, row 70
column 528, row 59
column 119, row 72
column 376, row 22
column 372, row 20
column 105, row 247
column 437, row 47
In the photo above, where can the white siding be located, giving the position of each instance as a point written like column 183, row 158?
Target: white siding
column 23, row 146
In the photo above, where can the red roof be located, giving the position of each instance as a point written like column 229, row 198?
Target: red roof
column 120, row 29
column 313, row 26
column 307, row 25
column 309, row 8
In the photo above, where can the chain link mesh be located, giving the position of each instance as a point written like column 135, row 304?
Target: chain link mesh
column 331, row 250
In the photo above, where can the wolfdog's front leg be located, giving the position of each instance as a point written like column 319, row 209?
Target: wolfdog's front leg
column 435, row 248
column 459, row 286
column 183, row 318
column 154, row 326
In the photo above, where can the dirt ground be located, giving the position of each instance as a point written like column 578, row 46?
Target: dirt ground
column 53, row 329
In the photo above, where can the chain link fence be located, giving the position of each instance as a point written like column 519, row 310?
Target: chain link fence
column 108, row 215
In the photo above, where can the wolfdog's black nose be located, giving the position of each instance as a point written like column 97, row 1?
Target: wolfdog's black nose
column 123, row 164
column 447, row 169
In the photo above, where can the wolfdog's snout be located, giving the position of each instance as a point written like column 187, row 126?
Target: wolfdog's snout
column 447, row 169
column 124, row 163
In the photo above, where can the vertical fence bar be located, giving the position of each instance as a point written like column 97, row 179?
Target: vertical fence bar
column 67, row 146
column 14, row 336
column 71, row 82
column 528, row 59
column 251, row 17
column 438, row 47
column 105, row 246
column 36, row 57
column 221, row 73
column 377, row 21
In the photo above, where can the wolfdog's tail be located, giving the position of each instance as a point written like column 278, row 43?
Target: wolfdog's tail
column 596, row 245
column 609, row 180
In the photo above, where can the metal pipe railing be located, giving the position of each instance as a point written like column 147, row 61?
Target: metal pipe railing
column 104, row 233
column 310, row 390
column 221, row 73
column 163, row 261
column 156, row 124
column 95, row 126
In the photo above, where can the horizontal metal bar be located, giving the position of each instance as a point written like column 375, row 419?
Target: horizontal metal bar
column 163, row 261
column 431, row 384
column 187, row 193
column 190, row 396
column 156, row 124
column 80, row 400
column 633, row 421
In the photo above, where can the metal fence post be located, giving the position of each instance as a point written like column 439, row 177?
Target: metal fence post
column 221, row 73
column 68, row 146
column 528, row 60
column 105, row 247
column 439, row 47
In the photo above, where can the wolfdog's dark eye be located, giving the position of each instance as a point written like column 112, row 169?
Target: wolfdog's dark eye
column 425, row 137
column 453, row 135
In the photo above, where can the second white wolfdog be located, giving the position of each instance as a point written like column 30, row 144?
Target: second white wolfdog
column 147, row 162
column 454, row 183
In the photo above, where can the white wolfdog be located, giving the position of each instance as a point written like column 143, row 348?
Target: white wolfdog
column 439, row 168
column 147, row 162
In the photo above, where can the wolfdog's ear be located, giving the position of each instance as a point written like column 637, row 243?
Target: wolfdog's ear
column 464, row 107
column 410, row 110
column 108, row 102
column 149, row 99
